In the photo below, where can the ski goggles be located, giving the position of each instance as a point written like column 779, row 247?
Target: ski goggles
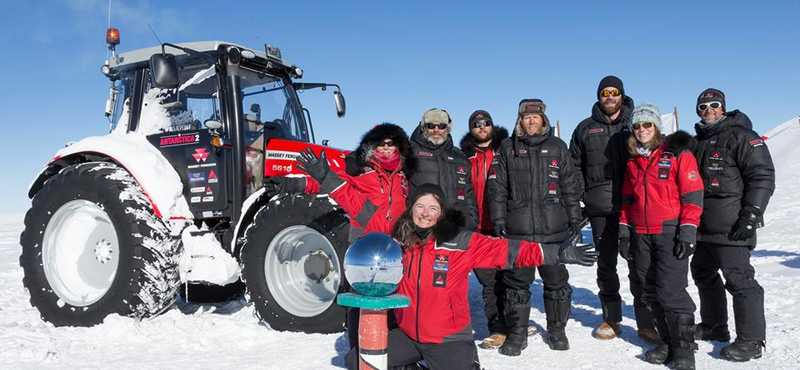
column 481, row 123
column 607, row 93
column 703, row 106
column 640, row 125
column 440, row 126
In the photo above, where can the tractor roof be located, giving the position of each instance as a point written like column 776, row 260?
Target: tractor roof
column 143, row 55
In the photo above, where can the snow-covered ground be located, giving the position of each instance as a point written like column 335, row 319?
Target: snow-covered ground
column 228, row 336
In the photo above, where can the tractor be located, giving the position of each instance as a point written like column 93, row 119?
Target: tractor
column 171, row 202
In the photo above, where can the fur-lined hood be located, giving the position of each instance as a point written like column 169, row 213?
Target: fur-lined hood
column 468, row 143
column 359, row 159
column 679, row 142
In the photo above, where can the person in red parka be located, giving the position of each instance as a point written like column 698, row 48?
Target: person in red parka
column 480, row 145
column 662, row 199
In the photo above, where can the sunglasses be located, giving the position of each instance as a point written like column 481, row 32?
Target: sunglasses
column 440, row 126
column 639, row 126
column 713, row 104
column 481, row 123
column 386, row 143
column 607, row 93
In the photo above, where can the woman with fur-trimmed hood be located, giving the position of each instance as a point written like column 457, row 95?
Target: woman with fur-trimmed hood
column 662, row 199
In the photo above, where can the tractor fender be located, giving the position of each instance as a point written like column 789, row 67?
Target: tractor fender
column 154, row 174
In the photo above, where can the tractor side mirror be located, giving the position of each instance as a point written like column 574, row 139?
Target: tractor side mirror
column 164, row 71
column 340, row 105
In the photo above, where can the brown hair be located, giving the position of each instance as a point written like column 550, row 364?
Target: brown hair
column 655, row 143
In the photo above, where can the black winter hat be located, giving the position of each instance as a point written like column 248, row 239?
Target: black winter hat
column 427, row 188
column 479, row 115
column 709, row 95
column 610, row 81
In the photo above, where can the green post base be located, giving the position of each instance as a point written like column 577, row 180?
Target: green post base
column 373, row 303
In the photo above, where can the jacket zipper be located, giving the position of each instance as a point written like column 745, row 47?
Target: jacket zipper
column 644, row 182
column 419, row 278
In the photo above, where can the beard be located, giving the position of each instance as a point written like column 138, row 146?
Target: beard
column 482, row 138
column 611, row 109
column 436, row 141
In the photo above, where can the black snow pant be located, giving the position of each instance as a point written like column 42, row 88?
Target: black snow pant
column 664, row 277
column 555, row 281
column 739, row 274
column 402, row 350
column 491, row 280
column 605, row 231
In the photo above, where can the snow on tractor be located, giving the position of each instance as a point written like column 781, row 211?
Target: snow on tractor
column 171, row 201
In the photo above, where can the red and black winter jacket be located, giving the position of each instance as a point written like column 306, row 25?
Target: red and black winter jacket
column 436, row 278
column 481, row 160
column 372, row 196
column 663, row 193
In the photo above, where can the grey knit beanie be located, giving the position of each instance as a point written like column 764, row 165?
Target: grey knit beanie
column 646, row 112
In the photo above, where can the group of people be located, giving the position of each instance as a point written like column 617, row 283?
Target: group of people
column 505, row 206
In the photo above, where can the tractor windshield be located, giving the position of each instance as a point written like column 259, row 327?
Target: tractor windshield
column 269, row 102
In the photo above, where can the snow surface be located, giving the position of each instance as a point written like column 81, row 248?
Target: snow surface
column 228, row 336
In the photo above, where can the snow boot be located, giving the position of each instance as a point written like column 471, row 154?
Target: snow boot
column 682, row 345
column 716, row 332
column 607, row 331
column 517, row 311
column 742, row 350
column 493, row 341
column 557, row 306
column 649, row 334
column 660, row 354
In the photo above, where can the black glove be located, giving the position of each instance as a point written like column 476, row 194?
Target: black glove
column 571, row 252
column 625, row 248
column 280, row 185
column 746, row 225
column 500, row 230
column 316, row 167
column 683, row 249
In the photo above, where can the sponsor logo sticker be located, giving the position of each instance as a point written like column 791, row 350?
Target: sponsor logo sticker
column 194, row 200
column 199, row 189
column 595, row 130
column 208, row 199
column 197, row 177
column 427, row 154
column 179, row 139
column 693, row 175
column 200, row 155
column 212, row 177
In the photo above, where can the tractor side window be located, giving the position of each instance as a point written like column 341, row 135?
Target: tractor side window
column 185, row 108
column 122, row 105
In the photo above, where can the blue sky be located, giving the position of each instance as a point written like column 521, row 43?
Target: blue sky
column 394, row 60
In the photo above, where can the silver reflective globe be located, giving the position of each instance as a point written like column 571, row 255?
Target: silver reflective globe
column 373, row 265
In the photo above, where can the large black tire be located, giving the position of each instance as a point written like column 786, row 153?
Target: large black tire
column 292, row 264
column 126, row 259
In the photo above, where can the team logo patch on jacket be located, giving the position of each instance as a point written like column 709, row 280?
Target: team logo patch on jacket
column 552, row 189
column 427, row 154
column 756, row 142
column 462, row 170
column 595, row 131
column 460, row 195
column 492, row 173
column 439, row 279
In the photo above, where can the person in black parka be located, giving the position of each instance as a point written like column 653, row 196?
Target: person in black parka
column 534, row 195
column 441, row 163
column 599, row 152
column 739, row 179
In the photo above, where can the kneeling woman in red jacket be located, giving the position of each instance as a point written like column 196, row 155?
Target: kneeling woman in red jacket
column 662, row 198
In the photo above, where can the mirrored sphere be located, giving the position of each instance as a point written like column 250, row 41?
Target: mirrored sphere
column 373, row 265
